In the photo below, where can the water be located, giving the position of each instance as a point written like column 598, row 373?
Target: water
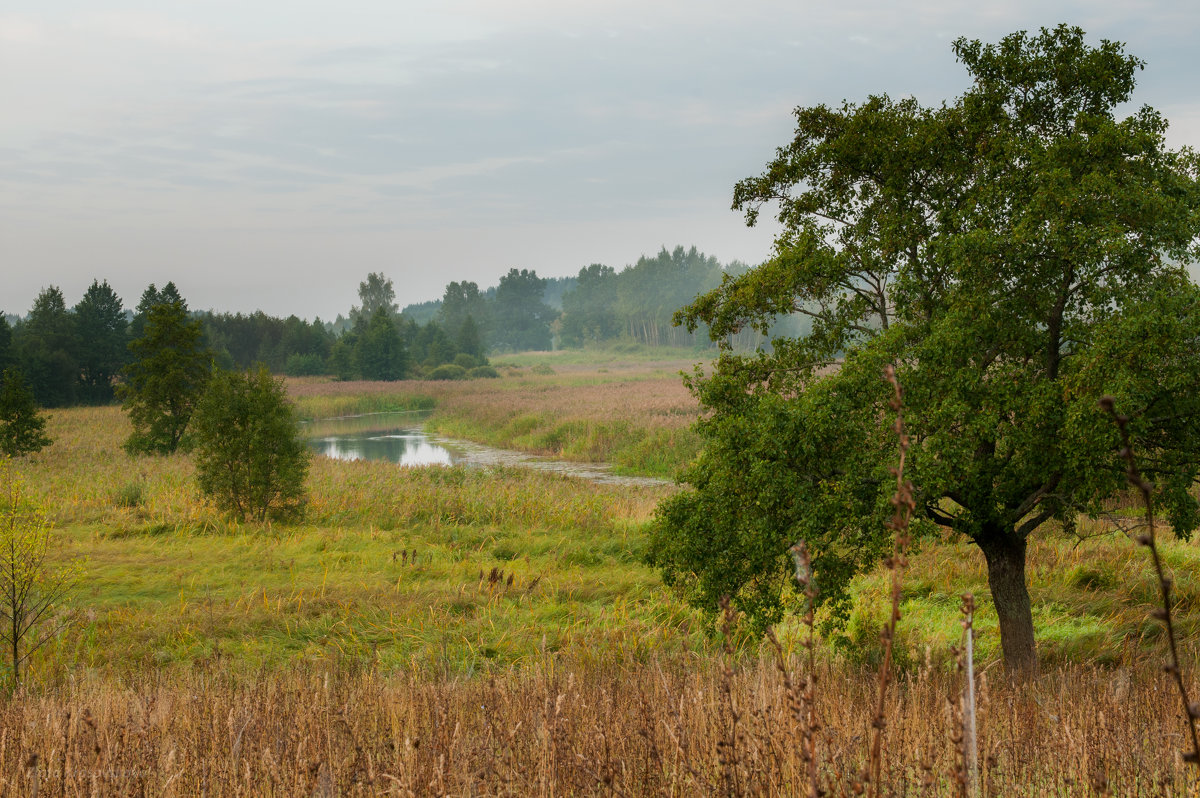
column 393, row 437
column 398, row 438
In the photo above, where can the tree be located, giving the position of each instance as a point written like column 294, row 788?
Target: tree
column 151, row 297
column 589, row 310
column 520, row 319
column 250, row 458
column 101, row 330
column 376, row 293
column 167, row 376
column 31, row 585
column 379, row 350
column 1015, row 254
column 6, row 353
column 47, row 346
column 22, row 429
column 462, row 302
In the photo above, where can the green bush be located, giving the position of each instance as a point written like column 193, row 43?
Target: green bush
column 447, row 372
column 542, row 368
column 483, row 372
column 250, row 458
column 466, row 361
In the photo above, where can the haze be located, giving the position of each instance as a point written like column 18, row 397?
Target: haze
column 269, row 158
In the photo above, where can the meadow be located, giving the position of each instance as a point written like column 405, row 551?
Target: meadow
column 497, row 632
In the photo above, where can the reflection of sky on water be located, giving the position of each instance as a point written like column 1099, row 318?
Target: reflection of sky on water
column 407, row 448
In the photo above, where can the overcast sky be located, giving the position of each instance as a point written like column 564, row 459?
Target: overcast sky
column 268, row 154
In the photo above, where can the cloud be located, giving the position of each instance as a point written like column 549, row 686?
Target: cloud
column 409, row 121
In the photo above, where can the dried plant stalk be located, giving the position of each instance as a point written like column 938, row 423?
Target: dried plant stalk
column 904, row 504
column 1148, row 539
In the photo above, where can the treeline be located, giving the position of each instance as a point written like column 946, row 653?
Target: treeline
column 75, row 355
column 598, row 305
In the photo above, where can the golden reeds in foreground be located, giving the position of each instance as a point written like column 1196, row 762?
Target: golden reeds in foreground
column 656, row 728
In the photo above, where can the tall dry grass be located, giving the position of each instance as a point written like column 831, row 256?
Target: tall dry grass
column 656, row 728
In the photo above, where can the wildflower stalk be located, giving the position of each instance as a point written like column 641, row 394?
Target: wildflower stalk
column 904, row 504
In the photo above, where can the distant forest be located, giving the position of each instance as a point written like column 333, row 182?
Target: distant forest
column 74, row 355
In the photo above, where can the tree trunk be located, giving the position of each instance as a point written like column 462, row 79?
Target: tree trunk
column 1005, row 555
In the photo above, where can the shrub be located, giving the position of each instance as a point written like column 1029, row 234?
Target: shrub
column 448, row 372
column 483, row 372
column 250, row 458
column 466, row 361
column 542, row 368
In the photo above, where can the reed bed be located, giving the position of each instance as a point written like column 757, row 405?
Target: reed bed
column 673, row 727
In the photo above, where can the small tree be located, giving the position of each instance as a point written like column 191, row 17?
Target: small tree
column 165, row 380
column 22, row 428
column 31, row 585
column 250, row 458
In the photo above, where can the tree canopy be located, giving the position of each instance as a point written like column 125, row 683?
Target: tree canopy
column 167, row 375
column 1015, row 254
column 250, row 457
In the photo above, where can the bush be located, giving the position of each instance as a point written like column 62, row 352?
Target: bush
column 483, row 372
column 466, row 361
column 304, row 365
column 542, row 368
column 448, row 372
column 250, row 458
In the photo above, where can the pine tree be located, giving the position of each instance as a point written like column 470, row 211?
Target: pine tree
column 22, row 428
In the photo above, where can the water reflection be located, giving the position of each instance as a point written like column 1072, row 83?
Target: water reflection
column 379, row 436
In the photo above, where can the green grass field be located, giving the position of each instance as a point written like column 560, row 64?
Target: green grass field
column 463, row 571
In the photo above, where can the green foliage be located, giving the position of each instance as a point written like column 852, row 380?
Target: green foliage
column 164, row 380
column 32, row 582
column 22, row 428
column 520, row 318
column 448, row 371
column 250, row 458
column 379, row 351
column 6, row 353
column 483, row 372
column 304, row 365
column 1011, row 252
column 101, row 329
column 377, row 296
column 589, row 311
column 47, row 344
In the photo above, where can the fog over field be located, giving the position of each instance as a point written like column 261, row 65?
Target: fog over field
column 267, row 157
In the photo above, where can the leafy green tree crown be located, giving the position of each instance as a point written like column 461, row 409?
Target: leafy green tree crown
column 250, row 458
column 1015, row 253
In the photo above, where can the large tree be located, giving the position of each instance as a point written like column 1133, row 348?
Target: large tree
column 166, row 377
column 101, row 328
column 520, row 318
column 376, row 294
column 1015, row 253
column 47, row 347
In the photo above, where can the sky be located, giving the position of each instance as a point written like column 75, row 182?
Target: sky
column 268, row 154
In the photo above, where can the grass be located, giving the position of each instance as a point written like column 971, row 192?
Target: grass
column 573, row 728
column 457, row 631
